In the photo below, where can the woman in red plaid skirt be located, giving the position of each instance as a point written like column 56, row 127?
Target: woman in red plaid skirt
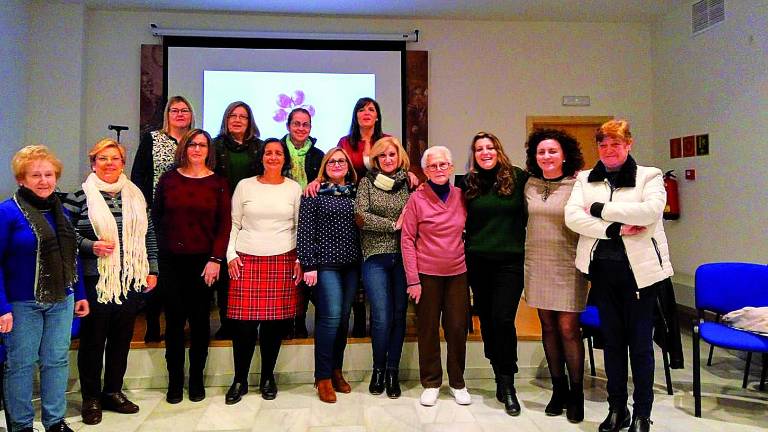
column 263, row 268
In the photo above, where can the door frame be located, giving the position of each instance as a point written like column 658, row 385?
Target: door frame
column 556, row 120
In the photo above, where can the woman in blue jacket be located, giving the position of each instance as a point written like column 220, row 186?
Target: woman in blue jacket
column 41, row 286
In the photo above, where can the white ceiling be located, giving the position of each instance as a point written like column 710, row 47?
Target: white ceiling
column 505, row 10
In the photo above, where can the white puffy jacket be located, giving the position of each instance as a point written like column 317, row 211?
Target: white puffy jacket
column 639, row 202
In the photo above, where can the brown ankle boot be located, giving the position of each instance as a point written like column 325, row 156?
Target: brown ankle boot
column 339, row 383
column 325, row 390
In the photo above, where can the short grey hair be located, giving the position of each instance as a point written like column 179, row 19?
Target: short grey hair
column 433, row 151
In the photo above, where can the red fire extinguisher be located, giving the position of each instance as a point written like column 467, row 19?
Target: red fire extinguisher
column 672, row 209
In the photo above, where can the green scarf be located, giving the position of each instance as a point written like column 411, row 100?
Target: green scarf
column 297, row 158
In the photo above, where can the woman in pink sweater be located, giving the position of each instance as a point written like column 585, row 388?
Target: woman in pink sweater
column 433, row 255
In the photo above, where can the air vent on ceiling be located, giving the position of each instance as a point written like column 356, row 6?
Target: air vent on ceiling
column 705, row 14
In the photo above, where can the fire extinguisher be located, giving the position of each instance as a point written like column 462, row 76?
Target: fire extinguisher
column 672, row 209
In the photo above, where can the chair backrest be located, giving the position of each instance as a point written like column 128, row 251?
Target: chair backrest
column 728, row 286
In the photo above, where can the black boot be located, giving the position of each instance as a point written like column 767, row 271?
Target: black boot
column 175, row 392
column 559, row 396
column 392, row 383
column 507, row 394
column 616, row 420
column 196, row 386
column 640, row 424
column 377, row 382
column 575, row 406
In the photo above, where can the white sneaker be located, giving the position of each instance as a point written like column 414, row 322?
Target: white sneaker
column 429, row 396
column 461, row 396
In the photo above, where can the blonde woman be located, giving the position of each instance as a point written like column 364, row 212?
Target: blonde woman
column 381, row 198
column 119, row 252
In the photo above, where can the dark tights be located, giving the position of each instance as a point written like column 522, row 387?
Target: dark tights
column 561, row 336
column 270, row 335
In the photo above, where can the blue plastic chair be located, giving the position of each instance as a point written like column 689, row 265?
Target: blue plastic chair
column 590, row 325
column 722, row 288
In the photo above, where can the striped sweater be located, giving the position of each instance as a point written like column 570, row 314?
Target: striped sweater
column 77, row 205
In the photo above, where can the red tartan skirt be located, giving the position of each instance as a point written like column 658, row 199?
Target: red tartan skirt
column 265, row 290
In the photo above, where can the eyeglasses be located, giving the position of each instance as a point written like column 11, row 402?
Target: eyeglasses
column 174, row 111
column 442, row 166
column 305, row 125
column 201, row 146
column 105, row 159
column 238, row 116
column 337, row 162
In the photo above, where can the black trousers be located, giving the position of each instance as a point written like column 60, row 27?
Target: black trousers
column 105, row 339
column 626, row 322
column 270, row 335
column 222, row 298
column 496, row 287
column 187, row 298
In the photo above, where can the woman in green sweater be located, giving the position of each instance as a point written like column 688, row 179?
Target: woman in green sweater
column 495, row 242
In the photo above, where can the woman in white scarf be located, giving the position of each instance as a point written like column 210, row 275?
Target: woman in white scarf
column 119, row 252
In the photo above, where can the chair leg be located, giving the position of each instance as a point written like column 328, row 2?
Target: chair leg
column 591, row 357
column 667, row 372
column 765, row 372
column 696, row 371
column 746, row 370
column 712, row 347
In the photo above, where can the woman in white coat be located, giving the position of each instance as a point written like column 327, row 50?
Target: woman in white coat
column 616, row 209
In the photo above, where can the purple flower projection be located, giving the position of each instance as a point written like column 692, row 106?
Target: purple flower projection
column 288, row 103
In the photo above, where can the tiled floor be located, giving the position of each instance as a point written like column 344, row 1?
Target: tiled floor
column 726, row 407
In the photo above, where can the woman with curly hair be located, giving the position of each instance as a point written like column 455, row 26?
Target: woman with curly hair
column 552, row 282
column 495, row 244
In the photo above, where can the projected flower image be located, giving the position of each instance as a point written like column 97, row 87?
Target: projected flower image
column 287, row 103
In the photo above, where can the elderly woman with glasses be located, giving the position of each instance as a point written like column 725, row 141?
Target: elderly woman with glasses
column 39, row 273
column 436, row 274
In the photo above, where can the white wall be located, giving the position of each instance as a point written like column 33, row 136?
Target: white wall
column 716, row 83
column 14, row 27
column 483, row 75
column 54, row 110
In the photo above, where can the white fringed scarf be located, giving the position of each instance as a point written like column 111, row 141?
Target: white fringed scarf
column 135, row 266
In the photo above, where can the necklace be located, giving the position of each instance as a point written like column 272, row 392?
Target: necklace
column 548, row 186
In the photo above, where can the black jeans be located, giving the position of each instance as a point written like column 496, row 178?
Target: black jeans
column 626, row 322
column 270, row 335
column 187, row 298
column 105, row 339
column 496, row 287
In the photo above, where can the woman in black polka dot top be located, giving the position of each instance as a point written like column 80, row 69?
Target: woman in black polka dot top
column 328, row 246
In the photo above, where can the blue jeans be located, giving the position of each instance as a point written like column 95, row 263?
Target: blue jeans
column 334, row 294
column 40, row 335
column 384, row 280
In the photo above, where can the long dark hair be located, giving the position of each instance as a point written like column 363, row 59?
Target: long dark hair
column 354, row 128
column 573, row 159
column 505, row 177
column 286, row 171
column 252, row 131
